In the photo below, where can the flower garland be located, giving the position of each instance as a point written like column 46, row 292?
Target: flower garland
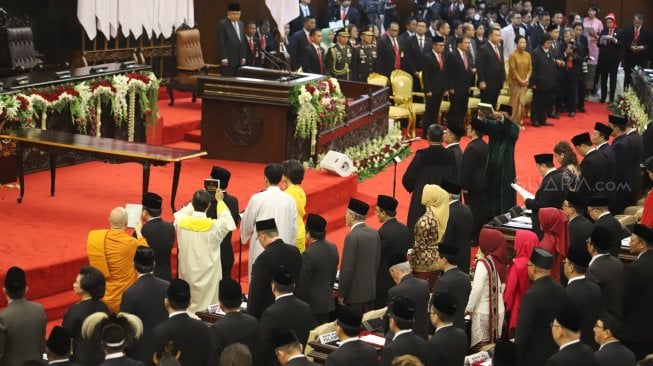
column 319, row 105
column 629, row 105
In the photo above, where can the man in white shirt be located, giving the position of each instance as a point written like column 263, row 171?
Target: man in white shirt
column 508, row 34
column 271, row 203
column 566, row 333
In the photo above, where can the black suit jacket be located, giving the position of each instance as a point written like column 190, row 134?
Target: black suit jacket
column 360, row 264
column 434, row 78
column 190, row 336
column 287, row 313
column 594, row 174
column 458, row 78
column 311, row 60
column 432, row 12
column 417, row 291
column 586, row 296
column 608, row 272
column 236, row 327
column 615, row 353
column 645, row 39
column 488, row 68
column 448, row 346
column 637, row 303
column 611, row 224
column 395, row 239
column 145, row 299
column 231, row 47
column 298, row 42
column 533, row 337
column 576, row 354
column 626, row 171
column 226, row 248
column 580, row 229
column 472, row 175
column 404, row 344
column 353, row 353
column 252, row 54
column 609, row 52
column 160, row 236
column 450, row 15
column 458, row 157
column 298, row 23
column 415, row 60
column 429, row 166
column 551, row 193
column 460, row 232
column 122, row 361
column 85, row 351
column 457, row 284
column 533, row 34
column 385, row 60
column 317, row 276
column 647, row 141
column 260, row 293
column 544, row 68
column 607, row 151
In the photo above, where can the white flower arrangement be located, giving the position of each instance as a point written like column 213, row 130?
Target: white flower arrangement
column 629, row 105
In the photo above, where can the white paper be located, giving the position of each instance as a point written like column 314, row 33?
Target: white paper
column 373, row 339
column 336, row 25
column 522, row 192
column 134, row 211
column 625, row 242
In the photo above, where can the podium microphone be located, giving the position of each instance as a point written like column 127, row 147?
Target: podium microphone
column 278, row 62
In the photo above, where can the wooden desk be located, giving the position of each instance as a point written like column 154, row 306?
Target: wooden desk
column 209, row 318
column 101, row 148
column 321, row 350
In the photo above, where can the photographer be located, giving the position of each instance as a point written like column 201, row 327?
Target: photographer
column 572, row 72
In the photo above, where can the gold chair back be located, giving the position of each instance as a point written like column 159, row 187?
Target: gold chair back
column 377, row 79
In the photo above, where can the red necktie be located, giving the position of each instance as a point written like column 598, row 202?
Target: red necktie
column 262, row 41
column 397, row 55
column 344, row 14
column 610, row 32
column 636, row 40
column 251, row 45
column 439, row 57
column 319, row 59
column 496, row 52
column 570, row 63
column 464, row 57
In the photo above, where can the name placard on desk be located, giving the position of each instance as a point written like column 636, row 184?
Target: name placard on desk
column 328, row 338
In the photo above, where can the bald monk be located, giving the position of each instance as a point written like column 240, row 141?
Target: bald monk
column 112, row 252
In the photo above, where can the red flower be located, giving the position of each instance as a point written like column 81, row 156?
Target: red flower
column 24, row 103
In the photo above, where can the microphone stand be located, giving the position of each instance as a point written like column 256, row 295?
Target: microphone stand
column 278, row 63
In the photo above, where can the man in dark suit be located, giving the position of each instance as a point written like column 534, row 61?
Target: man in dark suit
column 537, row 311
column 58, row 347
column 288, row 313
column 264, row 38
column 451, row 137
column 581, row 44
column 593, row 168
column 579, row 227
column 351, row 351
column 289, row 351
column 597, row 207
column 453, row 281
column 566, row 333
column 429, row 166
column 160, row 235
column 551, row 192
column 231, row 48
column 608, row 331
column 305, row 10
column 609, row 48
column 390, row 52
column 313, row 54
column 411, row 288
column 449, row 344
column 542, row 80
column 404, row 342
column 472, row 175
column 432, row 10
column 299, row 40
column 605, row 270
column 636, row 39
column 638, row 293
column 236, row 326
column 22, row 323
column 361, row 255
column 253, row 55
column 583, row 293
column 453, row 10
column 417, row 46
column 319, row 268
column 435, row 86
column 395, row 240
column 189, row 336
column 341, row 11
column 145, row 299
column 226, row 248
column 459, row 230
column 626, row 169
column 490, row 68
column 637, row 141
column 600, row 137
column 538, row 30
column 459, row 80
column 276, row 253
column 114, row 338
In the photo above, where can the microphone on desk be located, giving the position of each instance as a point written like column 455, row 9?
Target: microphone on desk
column 278, row 61
column 272, row 58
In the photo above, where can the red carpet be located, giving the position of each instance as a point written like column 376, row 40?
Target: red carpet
column 47, row 235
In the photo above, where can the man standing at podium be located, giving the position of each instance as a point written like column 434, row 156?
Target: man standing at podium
column 231, row 47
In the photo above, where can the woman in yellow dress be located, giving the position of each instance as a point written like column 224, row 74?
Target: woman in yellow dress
column 520, row 69
column 293, row 175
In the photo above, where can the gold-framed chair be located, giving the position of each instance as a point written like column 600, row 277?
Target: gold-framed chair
column 503, row 99
column 472, row 105
column 396, row 112
column 528, row 100
column 402, row 95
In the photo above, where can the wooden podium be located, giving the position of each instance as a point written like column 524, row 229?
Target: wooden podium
column 248, row 118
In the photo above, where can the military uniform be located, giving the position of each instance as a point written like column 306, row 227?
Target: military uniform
column 338, row 60
column 362, row 62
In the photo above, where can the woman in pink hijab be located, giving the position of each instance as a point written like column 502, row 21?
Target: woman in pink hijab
column 517, row 283
column 556, row 237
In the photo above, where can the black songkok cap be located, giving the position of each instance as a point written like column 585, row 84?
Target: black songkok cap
column 582, row 139
column 477, row 125
column 569, row 317
column 541, row 258
column 386, row 203
column 448, row 249
column 450, row 186
column 229, row 291
column 601, row 238
column 358, row 206
column 618, row 120
column 577, row 200
column 505, row 108
column 179, row 291
column 444, row 303
column 459, row 131
column 59, row 341
column 597, row 201
column 233, row 7
column 438, row 39
column 152, row 201
column 396, row 259
column 282, row 276
column 579, row 256
column 543, row 158
column 144, row 256
column 644, row 232
column 603, row 128
column 268, row 224
column 221, row 174
column 402, row 309
column 350, row 317
column 285, row 338
column 315, row 223
column 15, row 279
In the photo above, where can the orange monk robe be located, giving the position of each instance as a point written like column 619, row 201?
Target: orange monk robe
column 112, row 252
